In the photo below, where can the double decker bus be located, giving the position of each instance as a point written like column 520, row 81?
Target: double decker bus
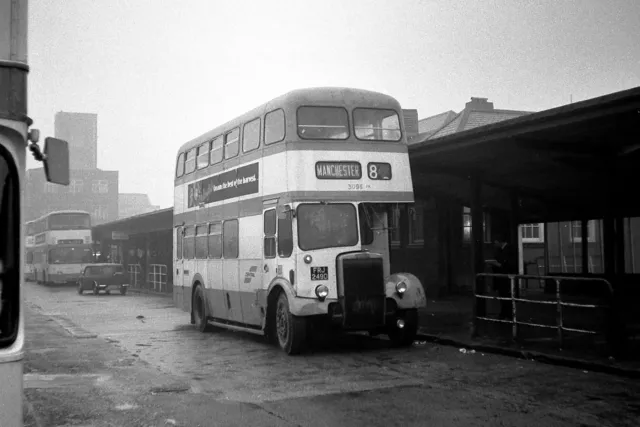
column 282, row 219
column 15, row 137
column 61, row 245
column 28, row 246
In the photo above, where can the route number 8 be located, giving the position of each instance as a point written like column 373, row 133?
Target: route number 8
column 373, row 171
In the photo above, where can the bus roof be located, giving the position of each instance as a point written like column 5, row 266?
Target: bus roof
column 71, row 211
column 329, row 96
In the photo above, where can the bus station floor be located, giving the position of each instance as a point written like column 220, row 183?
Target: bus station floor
column 448, row 320
column 134, row 360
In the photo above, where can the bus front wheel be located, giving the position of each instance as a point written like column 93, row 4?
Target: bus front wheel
column 290, row 330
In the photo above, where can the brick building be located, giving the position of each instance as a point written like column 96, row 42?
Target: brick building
column 91, row 190
column 431, row 239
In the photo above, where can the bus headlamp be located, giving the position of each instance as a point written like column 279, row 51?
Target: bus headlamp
column 321, row 292
column 401, row 287
column 307, row 259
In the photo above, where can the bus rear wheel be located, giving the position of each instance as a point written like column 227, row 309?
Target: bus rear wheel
column 199, row 309
column 290, row 330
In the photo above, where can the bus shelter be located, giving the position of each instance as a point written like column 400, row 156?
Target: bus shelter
column 572, row 163
column 143, row 243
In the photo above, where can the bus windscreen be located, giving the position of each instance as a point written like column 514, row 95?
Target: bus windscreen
column 323, row 123
column 327, row 226
column 69, row 221
column 70, row 255
column 376, row 124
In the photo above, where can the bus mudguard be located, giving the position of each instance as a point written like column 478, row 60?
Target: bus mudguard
column 414, row 295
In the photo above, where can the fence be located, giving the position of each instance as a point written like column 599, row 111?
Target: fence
column 157, row 277
column 134, row 275
column 558, row 302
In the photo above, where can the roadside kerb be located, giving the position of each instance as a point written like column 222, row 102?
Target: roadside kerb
column 547, row 358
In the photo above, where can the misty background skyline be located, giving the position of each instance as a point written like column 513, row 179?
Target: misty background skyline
column 158, row 74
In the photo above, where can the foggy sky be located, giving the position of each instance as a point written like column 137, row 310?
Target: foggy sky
column 160, row 72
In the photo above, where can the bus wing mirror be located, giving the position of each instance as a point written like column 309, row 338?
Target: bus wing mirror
column 56, row 161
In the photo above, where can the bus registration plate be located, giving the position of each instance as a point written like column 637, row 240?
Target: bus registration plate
column 319, row 273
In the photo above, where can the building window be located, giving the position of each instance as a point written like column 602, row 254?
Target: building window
column 100, row 186
column 50, row 188
column 532, row 233
column 100, row 213
column 76, row 186
column 576, row 231
column 466, row 226
column 416, row 224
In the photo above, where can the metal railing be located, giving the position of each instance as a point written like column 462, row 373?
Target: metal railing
column 157, row 276
column 134, row 275
column 558, row 302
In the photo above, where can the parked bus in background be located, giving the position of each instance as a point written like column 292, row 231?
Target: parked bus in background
column 62, row 244
column 14, row 140
column 282, row 219
column 28, row 246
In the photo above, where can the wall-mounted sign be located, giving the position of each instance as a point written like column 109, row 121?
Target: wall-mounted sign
column 119, row 235
column 338, row 170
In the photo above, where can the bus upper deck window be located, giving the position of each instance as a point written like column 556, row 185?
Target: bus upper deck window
column 180, row 166
column 231, row 143
column 251, row 135
column 203, row 155
column 216, row 150
column 323, row 123
column 375, row 124
column 274, row 126
column 190, row 163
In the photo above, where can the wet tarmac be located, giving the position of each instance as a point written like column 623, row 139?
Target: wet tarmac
column 350, row 380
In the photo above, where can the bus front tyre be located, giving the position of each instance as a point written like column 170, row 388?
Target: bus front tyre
column 291, row 330
column 405, row 336
column 199, row 310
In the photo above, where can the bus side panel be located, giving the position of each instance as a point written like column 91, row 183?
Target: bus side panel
column 215, row 293
column 250, row 278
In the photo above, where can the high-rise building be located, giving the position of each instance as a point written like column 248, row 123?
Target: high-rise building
column 80, row 130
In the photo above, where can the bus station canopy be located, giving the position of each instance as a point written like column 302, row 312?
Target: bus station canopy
column 578, row 161
column 160, row 220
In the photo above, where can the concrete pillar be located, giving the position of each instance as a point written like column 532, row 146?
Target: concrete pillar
column 477, row 249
